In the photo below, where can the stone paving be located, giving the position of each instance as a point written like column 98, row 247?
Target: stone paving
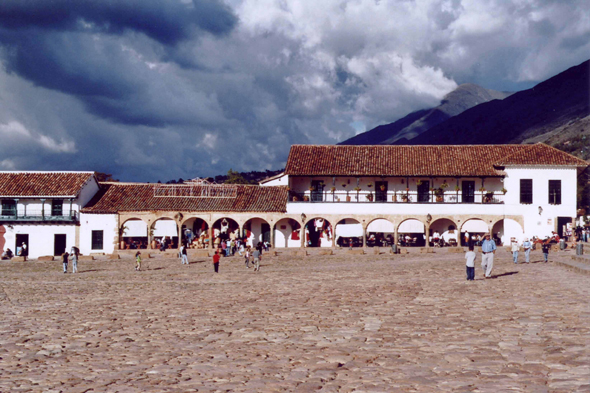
column 336, row 323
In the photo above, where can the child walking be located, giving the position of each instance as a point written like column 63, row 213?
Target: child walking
column 545, row 248
column 216, row 258
column 470, row 262
column 138, row 261
column 247, row 257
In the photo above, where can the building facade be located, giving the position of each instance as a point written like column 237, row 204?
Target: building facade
column 328, row 196
column 42, row 210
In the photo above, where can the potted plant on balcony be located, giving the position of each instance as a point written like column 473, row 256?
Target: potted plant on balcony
column 370, row 185
column 382, row 187
column 370, row 197
column 295, row 198
column 457, row 188
column 394, row 197
column 311, row 188
column 333, row 189
column 419, row 183
column 503, row 191
column 357, row 188
column 343, row 185
column 440, row 194
column 482, row 189
column 405, row 198
column 488, row 197
column 306, row 198
column 444, row 185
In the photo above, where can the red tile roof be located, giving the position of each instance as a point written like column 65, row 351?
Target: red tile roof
column 117, row 197
column 43, row 184
column 443, row 160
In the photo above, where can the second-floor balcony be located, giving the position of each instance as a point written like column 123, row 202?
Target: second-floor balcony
column 10, row 215
column 378, row 196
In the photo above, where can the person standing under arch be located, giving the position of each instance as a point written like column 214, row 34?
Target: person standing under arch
column 488, row 249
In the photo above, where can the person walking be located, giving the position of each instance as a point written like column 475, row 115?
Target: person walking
column 138, row 261
column 470, row 263
column 247, row 257
column 514, row 248
column 64, row 259
column 527, row 249
column 216, row 258
column 257, row 255
column 488, row 249
column 74, row 255
column 545, row 248
column 183, row 255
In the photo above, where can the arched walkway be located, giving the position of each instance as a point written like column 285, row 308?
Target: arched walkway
column 445, row 230
column 256, row 230
column 411, row 233
column 380, row 233
column 318, row 233
column 223, row 229
column 164, row 233
column 195, row 233
column 134, row 235
column 474, row 229
column 349, row 230
column 287, row 233
column 505, row 229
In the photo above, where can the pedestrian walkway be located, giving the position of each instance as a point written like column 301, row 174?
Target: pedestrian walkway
column 334, row 323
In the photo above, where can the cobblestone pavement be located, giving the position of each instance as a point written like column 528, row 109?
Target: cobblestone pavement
column 337, row 323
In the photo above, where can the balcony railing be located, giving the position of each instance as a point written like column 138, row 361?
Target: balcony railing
column 30, row 216
column 364, row 196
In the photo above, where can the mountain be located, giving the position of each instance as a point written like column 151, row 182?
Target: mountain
column 464, row 97
column 554, row 111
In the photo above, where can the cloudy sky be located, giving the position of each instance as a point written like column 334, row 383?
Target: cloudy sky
column 160, row 89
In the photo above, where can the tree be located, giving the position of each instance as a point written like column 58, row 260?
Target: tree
column 101, row 176
column 234, row 177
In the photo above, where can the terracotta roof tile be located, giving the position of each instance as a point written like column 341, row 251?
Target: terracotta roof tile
column 443, row 160
column 34, row 184
column 116, row 197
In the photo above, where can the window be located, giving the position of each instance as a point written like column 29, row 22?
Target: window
column 8, row 207
column 97, row 237
column 526, row 191
column 57, row 207
column 555, row 192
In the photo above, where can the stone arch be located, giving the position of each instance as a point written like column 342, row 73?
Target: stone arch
column 348, row 229
column 256, row 230
column 164, row 229
column 287, row 233
column 380, row 232
column 134, row 234
column 318, row 232
column 474, row 227
column 506, row 228
column 195, row 232
column 225, row 228
column 447, row 230
column 412, row 232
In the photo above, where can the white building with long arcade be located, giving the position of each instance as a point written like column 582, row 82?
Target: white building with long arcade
column 328, row 196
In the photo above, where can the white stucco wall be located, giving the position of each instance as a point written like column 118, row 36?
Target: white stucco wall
column 41, row 237
column 135, row 228
column 98, row 222
column 279, row 181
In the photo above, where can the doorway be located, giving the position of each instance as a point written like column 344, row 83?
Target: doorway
column 424, row 191
column 59, row 245
column 468, row 191
column 18, row 247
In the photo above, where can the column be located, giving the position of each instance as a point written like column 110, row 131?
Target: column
column 272, row 236
column 42, row 209
column 333, row 236
column 211, row 233
column 427, row 234
column 70, row 208
column 179, row 234
column 364, row 237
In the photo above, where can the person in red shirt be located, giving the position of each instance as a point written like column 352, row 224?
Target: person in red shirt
column 216, row 258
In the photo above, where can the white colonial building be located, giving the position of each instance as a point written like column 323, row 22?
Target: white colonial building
column 375, row 194
column 328, row 196
column 42, row 210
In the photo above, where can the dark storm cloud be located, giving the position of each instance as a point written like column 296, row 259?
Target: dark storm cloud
column 162, row 89
column 165, row 21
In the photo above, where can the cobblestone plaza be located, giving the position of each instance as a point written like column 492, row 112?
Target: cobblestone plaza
column 338, row 323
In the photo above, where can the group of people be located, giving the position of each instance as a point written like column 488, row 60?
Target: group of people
column 488, row 250
column 21, row 251
column 251, row 256
column 72, row 256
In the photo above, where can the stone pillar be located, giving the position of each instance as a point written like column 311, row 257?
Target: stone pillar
column 272, row 235
column 70, row 208
column 179, row 223
column 427, row 233
column 334, row 236
column 42, row 208
column 211, row 233
column 364, row 236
